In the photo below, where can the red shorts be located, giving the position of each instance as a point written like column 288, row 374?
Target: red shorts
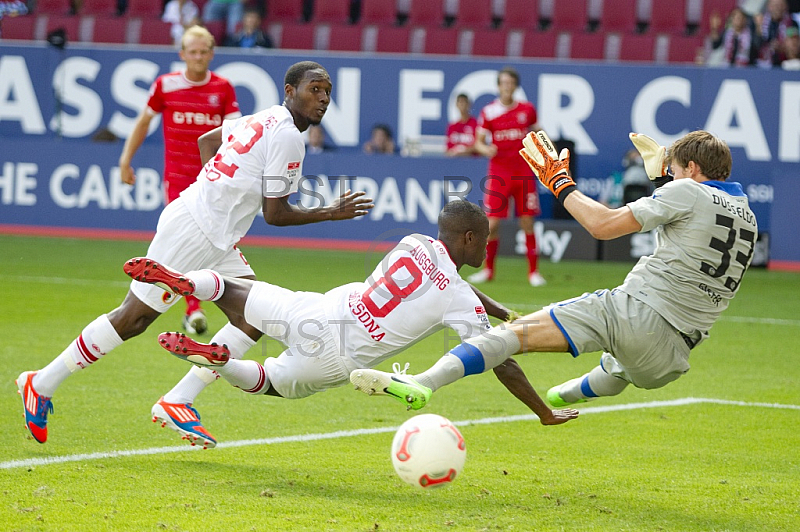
column 497, row 191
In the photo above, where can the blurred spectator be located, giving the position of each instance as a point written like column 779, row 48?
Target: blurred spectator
column 791, row 50
column 315, row 140
column 461, row 133
column 12, row 8
column 231, row 11
column 737, row 40
column 182, row 14
column 381, row 140
column 251, row 35
column 771, row 27
column 635, row 183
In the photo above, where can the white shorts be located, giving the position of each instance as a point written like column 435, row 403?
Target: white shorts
column 180, row 244
column 313, row 361
column 649, row 352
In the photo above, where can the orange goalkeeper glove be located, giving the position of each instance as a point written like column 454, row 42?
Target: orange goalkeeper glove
column 551, row 168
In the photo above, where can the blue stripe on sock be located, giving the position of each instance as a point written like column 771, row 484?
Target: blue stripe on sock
column 586, row 390
column 471, row 357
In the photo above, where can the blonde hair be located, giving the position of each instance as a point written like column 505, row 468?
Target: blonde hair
column 200, row 32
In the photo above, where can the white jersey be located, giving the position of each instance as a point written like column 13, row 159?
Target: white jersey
column 705, row 234
column 414, row 292
column 261, row 156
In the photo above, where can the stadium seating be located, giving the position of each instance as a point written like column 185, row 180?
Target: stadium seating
column 296, row 36
column 635, row 47
column 520, row 14
column 110, row 30
column 667, row 16
column 103, row 8
column 69, row 23
column 428, row 13
column 345, row 38
column 144, row 8
column 440, row 41
column 540, row 44
column 155, row 32
column 393, row 39
column 217, row 28
column 683, row 48
column 474, row 14
column 618, row 16
column 489, row 42
column 19, row 28
column 721, row 7
column 331, row 11
column 53, row 7
column 569, row 15
column 587, row 46
column 284, row 11
column 381, row 12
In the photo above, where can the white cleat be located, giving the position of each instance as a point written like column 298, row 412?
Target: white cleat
column 482, row 276
column 536, row 279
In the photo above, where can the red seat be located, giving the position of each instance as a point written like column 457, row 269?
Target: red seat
column 155, row 32
column 668, row 16
column 110, row 30
column 521, row 14
column 619, row 16
column 428, row 13
column 684, row 48
column 332, row 11
column 144, row 9
column 284, row 11
column 393, row 39
column 722, row 7
column 345, row 38
column 635, row 47
column 18, row 28
column 295, row 36
column 489, row 42
column 441, row 41
column 53, row 7
column 569, row 15
column 540, row 44
column 381, row 12
column 104, row 8
column 71, row 24
column 587, row 46
column 474, row 14
column 217, row 28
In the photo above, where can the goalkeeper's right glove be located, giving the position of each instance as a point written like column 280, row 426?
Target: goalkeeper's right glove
column 654, row 157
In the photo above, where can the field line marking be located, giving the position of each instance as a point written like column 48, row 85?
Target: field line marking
column 32, row 462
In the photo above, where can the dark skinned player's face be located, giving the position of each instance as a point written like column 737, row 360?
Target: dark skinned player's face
column 312, row 96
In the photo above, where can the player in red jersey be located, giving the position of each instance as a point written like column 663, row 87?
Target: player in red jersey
column 461, row 133
column 191, row 102
column 505, row 122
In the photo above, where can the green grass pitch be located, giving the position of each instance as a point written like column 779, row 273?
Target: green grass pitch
column 645, row 460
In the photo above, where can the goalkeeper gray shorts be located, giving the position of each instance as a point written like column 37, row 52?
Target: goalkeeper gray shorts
column 648, row 350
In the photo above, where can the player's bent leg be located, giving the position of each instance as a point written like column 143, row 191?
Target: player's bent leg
column 604, row 380
column 183, row 419
column 402, row 387
column 183, row 347
column 149, row 271
column 36, row 407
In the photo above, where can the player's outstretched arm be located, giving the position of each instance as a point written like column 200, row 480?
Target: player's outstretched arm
column 493, row 308
column 514, row 379
column 279, row 212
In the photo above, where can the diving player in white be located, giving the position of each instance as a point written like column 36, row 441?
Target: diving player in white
column 413, row 292
column 705, row 234
column 255, row 170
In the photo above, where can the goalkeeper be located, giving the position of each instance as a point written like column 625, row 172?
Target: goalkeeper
column 645, row 328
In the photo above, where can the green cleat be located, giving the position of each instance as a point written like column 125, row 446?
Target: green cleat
column 402, row 387
column 555, row 400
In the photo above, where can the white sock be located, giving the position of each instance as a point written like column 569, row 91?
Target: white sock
column 596, row 383
column 187, row 390
column 95, row 341
column 473, row 356
column 247, row 375
column 208, row 284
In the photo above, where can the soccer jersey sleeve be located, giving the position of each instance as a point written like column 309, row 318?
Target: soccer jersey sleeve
column 466, row 314
column 284, row 164
column 669, row 203
column 155, row 103
column 231, row 105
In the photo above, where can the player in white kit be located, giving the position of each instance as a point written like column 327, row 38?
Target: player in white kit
column 413, row 292
column 252, row 165
column 705, row 234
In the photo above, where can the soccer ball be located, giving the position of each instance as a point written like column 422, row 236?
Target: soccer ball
column 428, row 451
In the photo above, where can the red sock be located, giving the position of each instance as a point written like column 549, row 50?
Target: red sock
column 192, row 304
column 533, row 256
column 491, row 254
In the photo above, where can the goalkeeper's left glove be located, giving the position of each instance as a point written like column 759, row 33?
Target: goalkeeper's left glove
column 551, row 168
column 654, row 157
